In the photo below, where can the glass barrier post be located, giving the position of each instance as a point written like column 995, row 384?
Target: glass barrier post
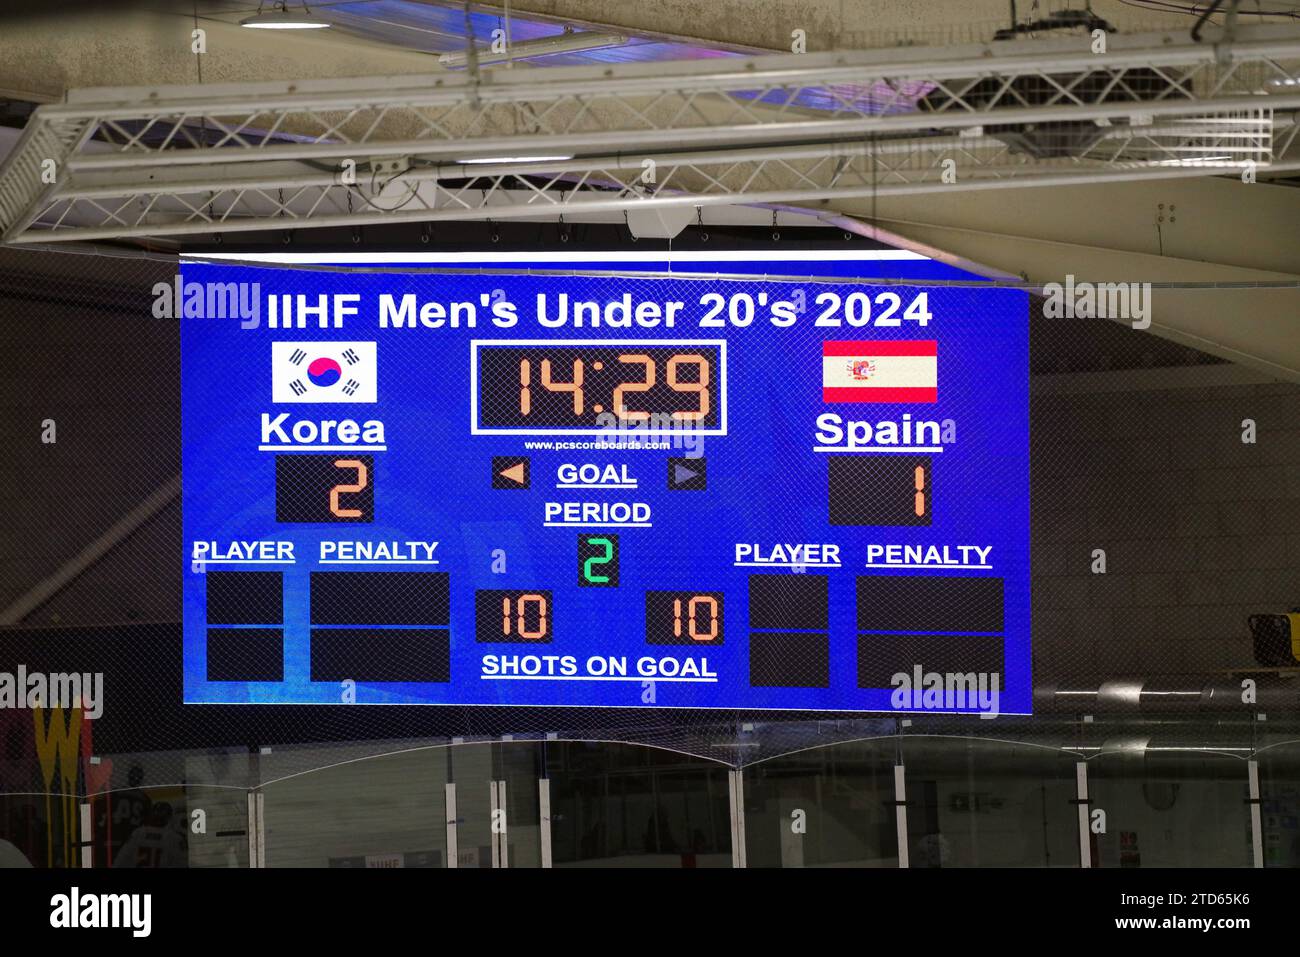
column 256, row 834
column 453, row 858
column 544, row 818
column 900, row 810
column 736, row 785
column 1256, row 820
column 1081, row 789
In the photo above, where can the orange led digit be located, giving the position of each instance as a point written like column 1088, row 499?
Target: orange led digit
column 338, row 490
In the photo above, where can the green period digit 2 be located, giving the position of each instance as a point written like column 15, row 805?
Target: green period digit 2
column 598, row 560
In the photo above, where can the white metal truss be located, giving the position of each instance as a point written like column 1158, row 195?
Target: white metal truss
column 116, row 162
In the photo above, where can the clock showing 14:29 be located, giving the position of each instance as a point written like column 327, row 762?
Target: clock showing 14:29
column 548, row 387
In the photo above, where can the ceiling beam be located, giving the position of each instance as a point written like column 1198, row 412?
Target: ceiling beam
column 1255, row 327
column 758, row 130
column 1217, row 219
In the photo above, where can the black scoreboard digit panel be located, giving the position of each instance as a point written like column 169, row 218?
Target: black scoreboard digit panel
column 883, row 490
column 324, row 488
column 562, row 387
column 380, row 626
column 513, row 616
column 380, row 598
column 689, row 618
column 604, row 485
column 245, row 635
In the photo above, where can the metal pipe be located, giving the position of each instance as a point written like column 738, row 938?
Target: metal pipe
column 614, row 202
column 805, row 70
column 624, row 141
column 1153, row 695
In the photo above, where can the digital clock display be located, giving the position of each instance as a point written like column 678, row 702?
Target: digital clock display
column 542, row 386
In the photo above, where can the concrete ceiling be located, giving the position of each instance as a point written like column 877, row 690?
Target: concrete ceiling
column 54, row 49
column 836, row 24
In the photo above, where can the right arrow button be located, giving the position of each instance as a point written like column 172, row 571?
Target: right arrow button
column 687, row 475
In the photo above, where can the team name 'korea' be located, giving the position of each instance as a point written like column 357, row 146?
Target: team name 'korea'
column 308, row 432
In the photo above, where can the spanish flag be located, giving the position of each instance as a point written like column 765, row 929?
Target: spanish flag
column 898, row 370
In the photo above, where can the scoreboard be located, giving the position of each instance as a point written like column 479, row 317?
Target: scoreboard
column 768, row 481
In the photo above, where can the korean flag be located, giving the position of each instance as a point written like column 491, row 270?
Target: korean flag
column 323, row 372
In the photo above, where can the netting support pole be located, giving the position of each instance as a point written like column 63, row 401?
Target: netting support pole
column 1256, row 822
column 736, row 789
column 1081, row 802
column 118, row 532
column 453, row 855
column 544, row 818
column 256, row 833
column 900, row 813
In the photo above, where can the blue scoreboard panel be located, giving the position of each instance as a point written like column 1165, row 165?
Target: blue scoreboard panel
column 746, row 481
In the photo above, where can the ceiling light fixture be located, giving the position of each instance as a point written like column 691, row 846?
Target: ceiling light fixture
column 566, row 42
column 279, row 18
column 1200, row 161
column 514, row 159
